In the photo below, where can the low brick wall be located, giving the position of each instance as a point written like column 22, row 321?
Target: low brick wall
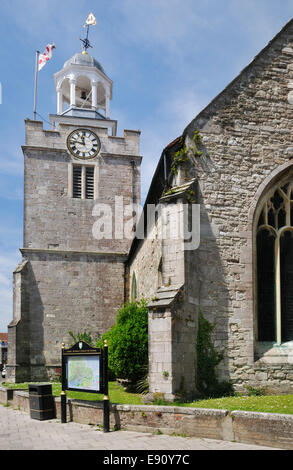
column 266, row 429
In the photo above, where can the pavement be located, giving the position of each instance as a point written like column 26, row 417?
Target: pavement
column 19, row 432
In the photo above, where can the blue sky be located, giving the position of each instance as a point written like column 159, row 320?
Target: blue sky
column 167, row 58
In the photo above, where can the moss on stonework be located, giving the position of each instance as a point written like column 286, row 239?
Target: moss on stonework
column 182, row 155
column 196, row 137
column 170, row 191
column 190, row 196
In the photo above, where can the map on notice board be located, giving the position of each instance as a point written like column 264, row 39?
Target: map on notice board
column 84, row 372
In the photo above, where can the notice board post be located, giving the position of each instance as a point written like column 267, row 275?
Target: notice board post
column 63, row 392
column 85, row 369
column 106, row 391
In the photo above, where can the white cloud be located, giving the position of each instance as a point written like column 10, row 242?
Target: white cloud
column 8, row 263
column 11, row 162
column 184, row 107
column 150, row 22
column 39, row 17
column 153, row 143
column 4, row 281
column 5, row 307
column 10, row 190
column 169, row 121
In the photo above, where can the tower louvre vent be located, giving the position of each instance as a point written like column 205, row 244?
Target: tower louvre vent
column 77, row 182
column 89, row 182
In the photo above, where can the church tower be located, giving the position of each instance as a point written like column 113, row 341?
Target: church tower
column 72, row 273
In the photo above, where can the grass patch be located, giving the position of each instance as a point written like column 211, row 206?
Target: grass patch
column 22, row 386
column 116, row 392
column 266, row 404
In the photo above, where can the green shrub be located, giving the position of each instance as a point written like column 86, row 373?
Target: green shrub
column 255, row 392
column 142, row 384
column 85, row 336
column 207, row 360
column 128, row 342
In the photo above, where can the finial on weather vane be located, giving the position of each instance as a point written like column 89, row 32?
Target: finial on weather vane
column 90, row 21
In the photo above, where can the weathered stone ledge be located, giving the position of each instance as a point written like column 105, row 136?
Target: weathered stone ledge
column 72, row 252
column 265, row 429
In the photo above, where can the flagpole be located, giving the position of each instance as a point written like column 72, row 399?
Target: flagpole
column 36, row 84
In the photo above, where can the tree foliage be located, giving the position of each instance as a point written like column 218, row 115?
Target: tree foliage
column 128, row 341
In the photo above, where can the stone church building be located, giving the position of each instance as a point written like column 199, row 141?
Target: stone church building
column 234, row 161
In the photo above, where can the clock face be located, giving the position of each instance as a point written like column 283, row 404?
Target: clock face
column 83, row 143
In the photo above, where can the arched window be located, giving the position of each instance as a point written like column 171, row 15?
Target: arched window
column 133, row 294
column 101, row 96
column 160, row 273
column 83, row 90
column 274, row 242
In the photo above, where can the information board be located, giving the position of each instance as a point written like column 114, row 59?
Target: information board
column 84, row 373
column 83, row 368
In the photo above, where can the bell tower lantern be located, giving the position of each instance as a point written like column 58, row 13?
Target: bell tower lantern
column 83, row 89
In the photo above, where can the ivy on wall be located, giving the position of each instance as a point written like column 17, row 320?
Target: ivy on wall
column 207, row 360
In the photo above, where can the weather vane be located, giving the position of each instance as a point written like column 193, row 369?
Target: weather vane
column 90, row 21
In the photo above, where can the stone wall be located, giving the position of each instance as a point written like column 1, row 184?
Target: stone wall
column 159, row 265
column 145, row 264
column 74, row 279
column 172, row 350
column 246, row 140
column 52, row 217
column 265, row 429
column 18, row 329
column 36, row 136
column 65, row 292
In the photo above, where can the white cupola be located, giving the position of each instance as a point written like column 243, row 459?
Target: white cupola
column 83, row 89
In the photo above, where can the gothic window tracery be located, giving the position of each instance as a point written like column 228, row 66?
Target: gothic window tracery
column 274, row 241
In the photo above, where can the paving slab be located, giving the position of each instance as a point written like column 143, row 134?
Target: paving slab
column 19, row 431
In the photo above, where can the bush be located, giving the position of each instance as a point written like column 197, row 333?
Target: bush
column 207, row 360
column 85, row 336
column 255, row 392
column 128, row 342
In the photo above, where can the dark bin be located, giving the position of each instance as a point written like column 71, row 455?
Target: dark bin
column 41, row 402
